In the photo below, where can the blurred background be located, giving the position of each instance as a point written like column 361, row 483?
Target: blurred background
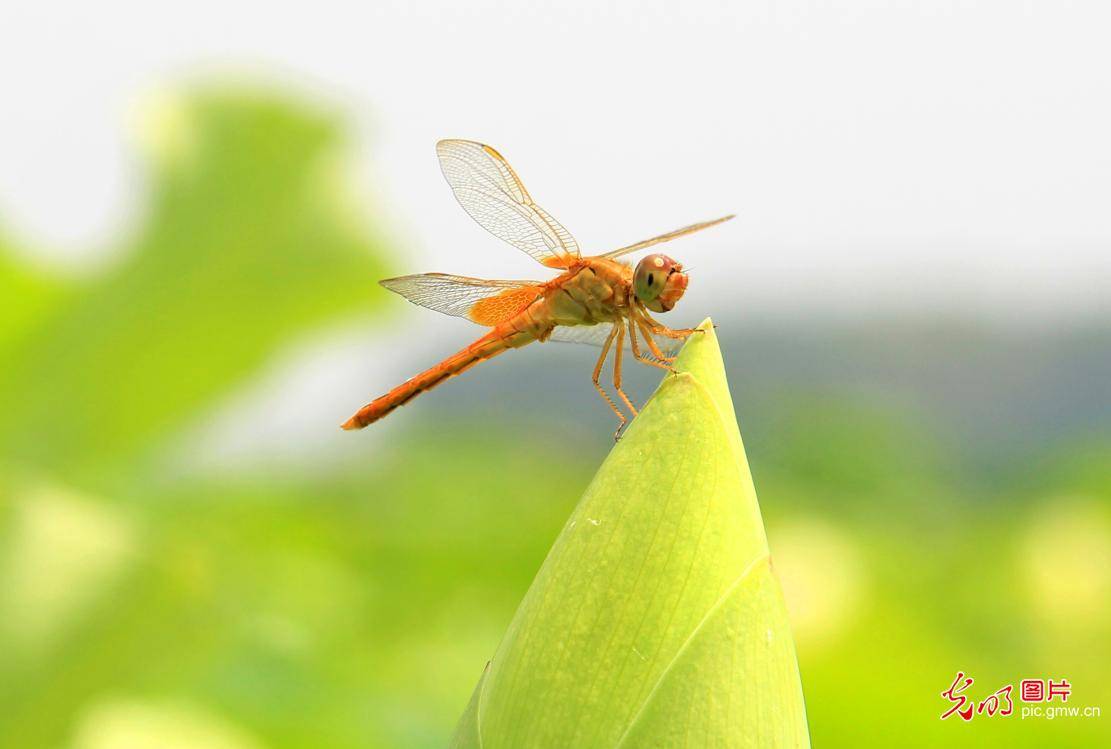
column 195, row 207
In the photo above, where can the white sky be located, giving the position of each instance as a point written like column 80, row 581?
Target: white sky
column 881, row 156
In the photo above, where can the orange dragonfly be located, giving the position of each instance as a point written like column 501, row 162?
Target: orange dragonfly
column 594, row 299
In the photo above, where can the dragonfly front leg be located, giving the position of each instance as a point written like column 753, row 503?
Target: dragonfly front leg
column 643, row 357
column 598, row 375
column 646, row 329
column 660, row 329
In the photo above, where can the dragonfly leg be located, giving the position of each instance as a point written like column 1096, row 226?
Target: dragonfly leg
column 660, row 329
column 641, row 357
column 597, row 385
column 646, row 329
column 620, row 344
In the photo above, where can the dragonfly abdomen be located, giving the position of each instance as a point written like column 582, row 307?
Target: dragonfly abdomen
column 487, row 347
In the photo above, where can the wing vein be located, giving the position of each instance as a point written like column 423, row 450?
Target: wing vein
column 493, row 195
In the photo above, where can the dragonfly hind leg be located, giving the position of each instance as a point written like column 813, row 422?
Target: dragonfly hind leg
column 620, row 345
column 602, row 391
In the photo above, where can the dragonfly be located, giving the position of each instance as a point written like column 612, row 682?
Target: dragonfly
column 601, row 299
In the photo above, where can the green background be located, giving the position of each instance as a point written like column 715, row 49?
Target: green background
column 937, row 495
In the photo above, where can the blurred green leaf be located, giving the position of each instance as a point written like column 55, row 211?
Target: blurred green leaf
column 247, row 243
column 28, row 295
column 656, row 619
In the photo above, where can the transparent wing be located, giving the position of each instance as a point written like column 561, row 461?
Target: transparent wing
column 494, row 196
column 480, row 301
column 595, row 335
column 667, row 237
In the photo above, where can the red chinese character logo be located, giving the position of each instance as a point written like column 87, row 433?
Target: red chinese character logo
column 1000, row 702
column 1061, row 689
column 1032, row 690
column 953, row 694
column 992, row 702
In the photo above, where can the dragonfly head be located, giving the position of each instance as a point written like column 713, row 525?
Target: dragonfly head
column 659, row 282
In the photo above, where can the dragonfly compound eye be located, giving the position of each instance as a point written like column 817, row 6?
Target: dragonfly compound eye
column 659, row 282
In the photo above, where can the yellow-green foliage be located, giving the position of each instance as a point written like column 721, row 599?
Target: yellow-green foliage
column 345, row 599
column 243, row 246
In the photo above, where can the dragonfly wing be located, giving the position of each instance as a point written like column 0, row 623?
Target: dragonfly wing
column 494, row 196
column 595, row 335
column 666, row 237
column 479, row 300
